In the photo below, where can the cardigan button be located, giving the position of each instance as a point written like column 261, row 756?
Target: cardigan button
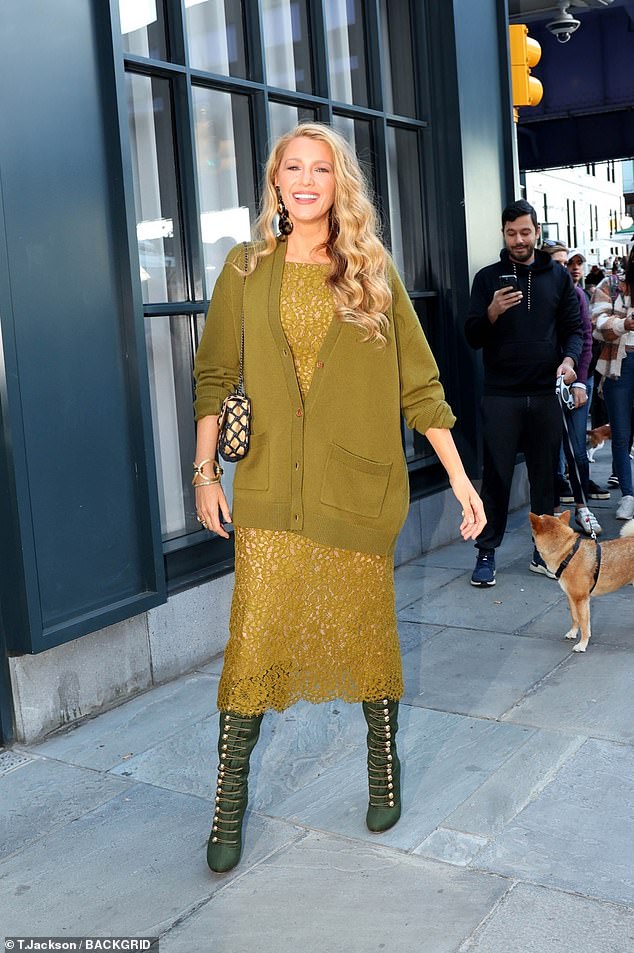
column 299, row 412
column 320, row 364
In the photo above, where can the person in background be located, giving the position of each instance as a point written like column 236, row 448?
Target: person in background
column 576, row 262
column 613, row 319
column 530, row 335
column 334, row 353
column 595, row 275
column 574, row 437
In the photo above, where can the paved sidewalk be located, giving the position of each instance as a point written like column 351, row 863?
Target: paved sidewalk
column 516, row 835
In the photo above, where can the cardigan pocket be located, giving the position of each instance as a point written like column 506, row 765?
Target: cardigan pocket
column 252, row 472
column 354, row 484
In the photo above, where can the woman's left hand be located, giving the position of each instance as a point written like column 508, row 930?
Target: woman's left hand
column 474, row 520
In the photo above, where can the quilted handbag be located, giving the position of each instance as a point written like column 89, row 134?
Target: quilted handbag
column 235, row 417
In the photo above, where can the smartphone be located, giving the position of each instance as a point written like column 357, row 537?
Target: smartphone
column 509, row 281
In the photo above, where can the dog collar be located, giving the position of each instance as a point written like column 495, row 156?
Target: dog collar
column 566, row 561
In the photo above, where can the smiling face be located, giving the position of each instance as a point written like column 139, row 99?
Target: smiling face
column 306, row 179
column 520, row 238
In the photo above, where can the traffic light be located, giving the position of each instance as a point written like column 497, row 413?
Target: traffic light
column 525, row 53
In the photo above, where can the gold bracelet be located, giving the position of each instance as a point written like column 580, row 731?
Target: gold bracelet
column 206, row 482
column 199, row 472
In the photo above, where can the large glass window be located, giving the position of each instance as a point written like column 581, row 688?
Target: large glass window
column 215, row 36
column 286, row 44
column 225, row 174
column 346, row 51
column 158, row 225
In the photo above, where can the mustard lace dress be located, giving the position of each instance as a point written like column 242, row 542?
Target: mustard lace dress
column 308, row 621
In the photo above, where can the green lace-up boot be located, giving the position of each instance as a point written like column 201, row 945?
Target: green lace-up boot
column 238, row 735
column 384, row 768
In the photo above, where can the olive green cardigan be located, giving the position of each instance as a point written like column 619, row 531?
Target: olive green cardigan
column 331, row 467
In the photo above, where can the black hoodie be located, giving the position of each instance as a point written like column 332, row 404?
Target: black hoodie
column 523, row 348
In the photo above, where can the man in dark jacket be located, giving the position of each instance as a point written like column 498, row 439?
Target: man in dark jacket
column 530, row 334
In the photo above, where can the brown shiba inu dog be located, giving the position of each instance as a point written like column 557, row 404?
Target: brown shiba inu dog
column 579, row 579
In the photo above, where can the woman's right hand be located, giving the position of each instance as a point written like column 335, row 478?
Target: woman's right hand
column 212, row 509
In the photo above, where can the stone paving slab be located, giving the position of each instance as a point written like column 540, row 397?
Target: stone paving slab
column 132, row 866
column 610, row 618
column 591, row 694
column 138, row 724
column 452, row 847
column 477, row 673
column 445, row 759
column 513, row 602
column 414, row 634
column 578, row 834
column 412, row 582
column 328, row 895
column 534, row 920
column 42, row 795
column 509, row 789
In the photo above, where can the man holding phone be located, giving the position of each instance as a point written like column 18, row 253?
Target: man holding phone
column 524, row 315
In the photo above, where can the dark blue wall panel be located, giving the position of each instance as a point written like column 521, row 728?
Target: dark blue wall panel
column 83, row 455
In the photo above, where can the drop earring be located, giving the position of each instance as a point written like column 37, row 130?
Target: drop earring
column 284, row 224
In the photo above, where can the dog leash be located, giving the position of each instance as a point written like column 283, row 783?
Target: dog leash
column 593, row 535
column 572, row 553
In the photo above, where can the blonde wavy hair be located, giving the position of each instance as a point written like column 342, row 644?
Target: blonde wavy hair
column 358, row 275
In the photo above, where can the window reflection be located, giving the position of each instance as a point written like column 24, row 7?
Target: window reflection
column 287, row 51
column 396, row 45
column 346, row 51
column 170, row 362
column 358, row 132
column 215, row 36
column 404, row 190
column 283, row 117
column 225, row 186
column 143, row 28
column 155, row 189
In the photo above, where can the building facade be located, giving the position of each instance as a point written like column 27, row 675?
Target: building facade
column 581, row 205
column 134, row 135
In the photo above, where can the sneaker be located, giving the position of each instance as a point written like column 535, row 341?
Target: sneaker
column 613, row 481
column 596, row 493
column 625, row 510
column 565, row 492
column 587, row 522
column 484, row 573
column 538, row 565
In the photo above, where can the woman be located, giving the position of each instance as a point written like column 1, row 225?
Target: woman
column 613, row 319
column 333, row 353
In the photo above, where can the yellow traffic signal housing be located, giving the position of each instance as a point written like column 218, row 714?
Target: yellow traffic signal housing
column 525, row 53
